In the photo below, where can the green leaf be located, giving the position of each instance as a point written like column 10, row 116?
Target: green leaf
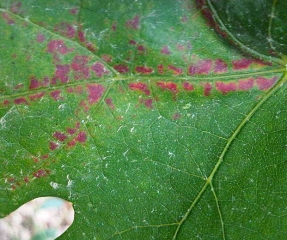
column 143, row 118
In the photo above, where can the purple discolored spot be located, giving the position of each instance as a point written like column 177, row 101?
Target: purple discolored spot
column 121, row 68
column 201, row 67
column 144, row 70
column 165, row 50
column 114, row 26
column 246, row 84
column 16, row 7
column 41, row 38
column 61, row 73
column 99, row 69
column 20, row 100
column 220, row 66
column 80, row 68
column 133, row 23
column 265, row 83
column 109, row 102
column 241, row 64
column 74, row 11
column 56, row 94
column 140, row 87
column 81, row 137
column 187, row 86
column 65, row 29
column 71, row 131
column 53, row 146
column 60, row 136
column 176, row 116
column 36, row 96
column 58, row 46
column 34, row 83
column 160, row 69
column 207, row 87
column 95, row 92
column 7, row 18
column 41, row 173
column 175, row 70
column 170, row 86
column 226, row 87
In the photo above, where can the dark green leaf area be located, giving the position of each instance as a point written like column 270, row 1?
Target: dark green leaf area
column 257, row 26
column 257, row 195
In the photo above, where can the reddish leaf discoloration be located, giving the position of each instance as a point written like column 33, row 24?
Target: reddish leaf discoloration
column 143, row 87
column 60, row 136
column 65, row 29
column 41, row 173
column 34, row 83
column 7, row 18
column 16, row 7
column 175, row 70
column 121, row 68
column 147, row 102
column 40, row 38
column 241, row 64
column 71, row 131
column 53, row 146
column 58, row 47
column 61, row 73
column 144, row 69
column 201, row 67
column 74, row 11
column 81, row 137
column 99, row 69
column 165, row 50
column 109, row 102
column 20, row 100
column 176, row 116
column 245, row 84
column 226, row 87
column 207, row 87
column 36, row 96
column 265, row 83
column 133, row 23
column 160, row 69
column 80, row 68
column 170, row 86
column 220, row 66
column 95, row 92
column 56, row 95
column 187, row 86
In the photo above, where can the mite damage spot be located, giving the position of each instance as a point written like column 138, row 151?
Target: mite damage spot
column 121, row 68
column 165, row 50
column 201, row 67
column 220, row 66
column 146, row 102
column 58, row 47
column 7, row 18
column 36, row 96
column 60, row 136
column 133, row 23
column 81, row 137
column 95, row 92
column 99, row 69
column 56, row 95
column 187, row 86
column 109, row 102
column 176, row 116
column 141, row 48
column 241, row 64
column 144, row 70
column 140, row 87
column 20, row 100
column 160, row 69
column 265, row 83
column 40, row 38
column 225, row 87
column 65, row 29
column 61, row 73
column 74, row 11
column 245, row 84
column 175, row 70
column 80, row 68
column 41, row 173
column 53, row 146
column 170, row 86
column 207, row 87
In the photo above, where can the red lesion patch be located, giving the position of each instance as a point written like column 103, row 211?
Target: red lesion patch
column 60, row 136
column 109, row 102
column 207, row 87
column 36, row 96
column 187, row 86
column 95, row 92
column 143, row 87
column 201, row 67
column 220, row 66
column 53, row 146
column 58, row 47
column 170, row 86
column 147, row 102
column 99, row 69
column 61, row 73
column 40, row 38
column 265, row 83
column 133, row 23
column 20, row 100
column 144, row 69
column 7, row 18
column 56, row 95
column 160, row 69
column 245, row 84
column 175, row 70
column 81, row 137
column 41, row 173
column 121, row 68
column 226, row 87
column 80, row 68
column 165, row 50
column 65, row 29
